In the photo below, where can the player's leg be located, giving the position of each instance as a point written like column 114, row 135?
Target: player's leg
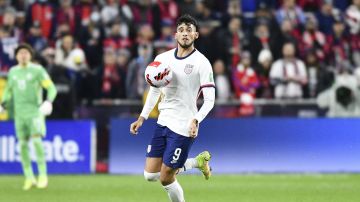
column 170, row 184
column 155, row 152
column 152, row 169
column 38, row 130
column 23, row 139
column 175, row 156
column 201, row 161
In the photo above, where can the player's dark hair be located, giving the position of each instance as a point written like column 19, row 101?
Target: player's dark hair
column 187, row 19
column 25, row 46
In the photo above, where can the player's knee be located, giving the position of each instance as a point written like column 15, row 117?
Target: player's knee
column 36, row 140
column 23, row 143
column 151, row 177
column 166, row 179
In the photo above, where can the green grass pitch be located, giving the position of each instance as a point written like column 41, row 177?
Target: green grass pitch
column 220, row 188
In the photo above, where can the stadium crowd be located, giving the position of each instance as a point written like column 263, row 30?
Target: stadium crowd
column 259, row 48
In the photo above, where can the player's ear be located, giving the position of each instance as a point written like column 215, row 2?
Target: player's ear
column 196, row 35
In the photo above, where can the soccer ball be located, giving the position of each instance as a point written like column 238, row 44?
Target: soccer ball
column 158, row 74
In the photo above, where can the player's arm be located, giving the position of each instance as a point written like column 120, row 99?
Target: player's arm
column 209, row 101
column 48, row 85
column 208, row 90
column 151, row 100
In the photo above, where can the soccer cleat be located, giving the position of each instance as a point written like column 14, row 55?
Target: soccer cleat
column 28, row 184
column 203, row 163
column 42, row 182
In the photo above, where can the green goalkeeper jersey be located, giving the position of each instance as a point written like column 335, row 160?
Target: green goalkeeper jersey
column 25, row 85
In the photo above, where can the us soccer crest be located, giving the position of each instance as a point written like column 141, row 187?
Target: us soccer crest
column 188, row 68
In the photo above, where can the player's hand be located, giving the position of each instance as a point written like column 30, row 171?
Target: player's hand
column 194, row 127
column 46, row 108
column 134, row 127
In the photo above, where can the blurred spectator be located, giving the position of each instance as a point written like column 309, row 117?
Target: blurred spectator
column 319, row 77
column 353, row 20
column 167, row 38
column 135, row 82
column 290, row 11
column 66, row 14
column 265, row 60
column 164, row 10
column 42, row 12
column 83, row 10
column 233, row 11
column 187, row 7
column 233, row 41
column 68, row 55
column 3, row 6
column 222, row 83
column 343, row 98
column 64, row 104
column 116, row 38
column 289, row 35
column 122, row 59
column 245, row 83
column 9, row 21
column 205, row 12
column 125, row 12
column 36, row 39
column 48, row 56
column 62, row 30
column 312, row 38
column 8, row 44
column 262, row 39
column 110, row 11
column 337, row 48
column 91, row 39
column 143, row 12
column 113, row 77
column 326, row 17
column 145, row 34
column 264, row 15
column 207, row 42
column 288, row 74
column 169, row 10
column 353, row 17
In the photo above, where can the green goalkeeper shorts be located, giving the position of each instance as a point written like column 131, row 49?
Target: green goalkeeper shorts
column 30, row 126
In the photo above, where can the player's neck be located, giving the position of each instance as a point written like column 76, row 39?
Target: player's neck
column 24, row 65
column 182, row 52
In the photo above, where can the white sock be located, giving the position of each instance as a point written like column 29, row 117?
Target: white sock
column 175, row 192
column 151, row 177
column 189, row 164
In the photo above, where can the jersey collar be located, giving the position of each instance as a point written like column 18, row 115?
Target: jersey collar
column 181, row 58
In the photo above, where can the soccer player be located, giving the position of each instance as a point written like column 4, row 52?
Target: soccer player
column 24, row 86
column 178, row 121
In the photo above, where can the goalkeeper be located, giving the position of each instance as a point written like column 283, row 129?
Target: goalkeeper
column 24, row 85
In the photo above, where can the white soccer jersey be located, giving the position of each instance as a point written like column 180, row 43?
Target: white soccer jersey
column 178, row 99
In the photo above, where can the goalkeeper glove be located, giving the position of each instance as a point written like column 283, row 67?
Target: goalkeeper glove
column 46, row 108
